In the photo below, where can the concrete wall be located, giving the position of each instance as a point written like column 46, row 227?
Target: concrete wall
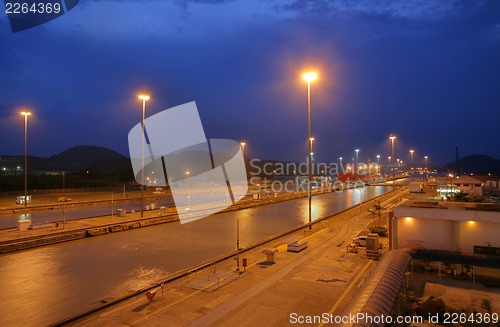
column 432, row 234
column 474, row 233
column 445, row 229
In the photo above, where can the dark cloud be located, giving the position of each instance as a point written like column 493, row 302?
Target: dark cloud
column 426, row 71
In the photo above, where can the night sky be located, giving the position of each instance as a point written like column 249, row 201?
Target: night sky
column 427, row 71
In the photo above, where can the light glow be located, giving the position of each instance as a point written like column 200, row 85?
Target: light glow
column 309, row 76
column 144, row 97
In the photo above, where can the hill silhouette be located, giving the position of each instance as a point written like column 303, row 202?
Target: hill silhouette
column 477, row 164
column 87, row 154
column 75, row 159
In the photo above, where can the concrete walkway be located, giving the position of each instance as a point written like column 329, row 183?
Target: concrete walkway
column 321, row 279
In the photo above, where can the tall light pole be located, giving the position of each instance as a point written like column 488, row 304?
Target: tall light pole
column 378, row 165
column 144, row 98
column 392, row 138
column 64, row 200
column 243, row 149
column 311, row 139
column 26, row 114
column 309, row 77
column 411, row 156
column 426, row 169
column 341, row 163
column 357, row 152
column 311, row 167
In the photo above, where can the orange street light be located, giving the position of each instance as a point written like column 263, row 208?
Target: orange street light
column 26, row 114
column 243, row 149
column 311, row 76
column 144, row 98
column 392, row 138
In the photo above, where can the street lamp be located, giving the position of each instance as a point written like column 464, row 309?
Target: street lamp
column 26, row 114
column 426, row 169
column 309, row 77
column 357, row 151
column 411, row 155
column 144, row 98
column 392, row 138
column 378, row 159
column 243, row 149
column 341, row 163
column 311, row 140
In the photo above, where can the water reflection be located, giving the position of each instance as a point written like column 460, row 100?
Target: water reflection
column 56, row 281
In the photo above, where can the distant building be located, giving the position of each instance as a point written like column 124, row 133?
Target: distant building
column 468, row 184
column 491, row 185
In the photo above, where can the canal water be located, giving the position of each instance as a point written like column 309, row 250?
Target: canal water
column 44, row 285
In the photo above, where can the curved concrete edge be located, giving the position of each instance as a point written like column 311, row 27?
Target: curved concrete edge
column 65, row 236
column 184, row 272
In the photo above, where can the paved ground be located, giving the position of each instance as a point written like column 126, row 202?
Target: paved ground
column 321, row 279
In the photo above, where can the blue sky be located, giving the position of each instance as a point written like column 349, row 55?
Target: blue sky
column 427, row 71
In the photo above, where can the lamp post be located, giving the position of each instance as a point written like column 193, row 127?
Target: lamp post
column 426, row 169
column 341, row 163
column 311, row 139
column 64, row 200
column 392, row 138
column 243, row 149
column 144, row 98
column 26, row 114
column 411, row 156
column 378, row 164
column 309, row 77
column 356, row 167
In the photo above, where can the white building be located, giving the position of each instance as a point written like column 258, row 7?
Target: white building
column 452, row 226
column 469, row 184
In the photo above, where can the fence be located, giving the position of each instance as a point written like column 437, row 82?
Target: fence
column 65, row 191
